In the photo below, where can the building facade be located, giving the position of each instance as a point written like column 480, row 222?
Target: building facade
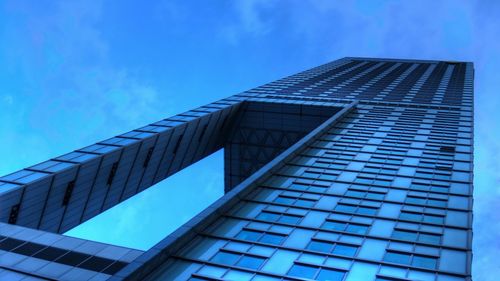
column 359, row 169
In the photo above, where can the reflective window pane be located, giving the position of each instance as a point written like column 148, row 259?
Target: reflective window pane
column 250, row 262
column 271, row 238
column 345, row 250
column 426, row 262
column 320, row 246
column 225, row 258
column 289, row 219
column 397, row 258
column 303, row 271
column 355, row 228
column 249, row 235
column 267, row 216
column 330, row 275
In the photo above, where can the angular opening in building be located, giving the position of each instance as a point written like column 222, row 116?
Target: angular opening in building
column 251, row 137
column 144, row 219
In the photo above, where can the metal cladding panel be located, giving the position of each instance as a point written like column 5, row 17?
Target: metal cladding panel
column 123, row 171
column 144, row 159
column 100, row 185
column 53, row 213
column 81, row 191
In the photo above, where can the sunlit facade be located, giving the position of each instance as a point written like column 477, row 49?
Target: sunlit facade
column 359, row 169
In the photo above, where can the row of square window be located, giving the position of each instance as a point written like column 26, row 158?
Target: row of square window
column 255, row 262
column 422, row 184
column 62, row 256
column 443, row 162
column 349, row 227
column 355, row 136
column 367, row 174
column 301, row 270
column 373, row 193
column 314, row 245
column 370, row 129
column 407, row 117
column 438, row 169
column 418, row 184
column 353, row 209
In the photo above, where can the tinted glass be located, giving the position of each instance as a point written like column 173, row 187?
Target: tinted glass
column 284, row 200
column 303, row 271
column 289, row 219
column 249, row 235
column 250, row 262
column 426, row 262
column 268, row 216
column 404, row 235
column 359, row 229
column 270, row 238
column 320, row 246
column 330, row 275
column 333, row 225
column 225, row 258
column 397, row 258
column 429, row 238
column 345, row 250
column 304, row 203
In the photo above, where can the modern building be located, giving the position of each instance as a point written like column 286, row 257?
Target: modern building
column 359, row 169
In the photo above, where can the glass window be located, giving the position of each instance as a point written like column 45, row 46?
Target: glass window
column 345, row 208
column 356, row 228
column 197, row 279
column 298, row 186
column 345, row 250
column 267, row 216
column 426, row 262
column 387, row 279
column 252, row 262
column 225, row 258
column 367, row 211
column 284, row 200
column 272, row 238
column 334, row 225
column 261, row 236
column 404, row 235
column 433, row 219
column 316, row 188
column 330, row 275
column 344, row 226
column 320, row 246
column 376, row 196
column 305, row 203
column 415, row 200
column 355, row 193
column 304, row 271
column 382, row 182
column 437, row 202
column 249, row 235
column 429, row 238
column 410, row 216
column 291, row 219
column 294, row 201
column 397, row 258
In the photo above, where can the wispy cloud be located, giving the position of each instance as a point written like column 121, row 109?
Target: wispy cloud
column 63, row 78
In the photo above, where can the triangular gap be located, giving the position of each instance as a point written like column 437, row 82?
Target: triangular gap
column 148, row 217
column 144, row 219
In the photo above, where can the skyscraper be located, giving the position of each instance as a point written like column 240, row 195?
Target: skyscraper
column 359, row 169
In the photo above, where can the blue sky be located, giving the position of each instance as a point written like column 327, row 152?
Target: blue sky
column 76, row 72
